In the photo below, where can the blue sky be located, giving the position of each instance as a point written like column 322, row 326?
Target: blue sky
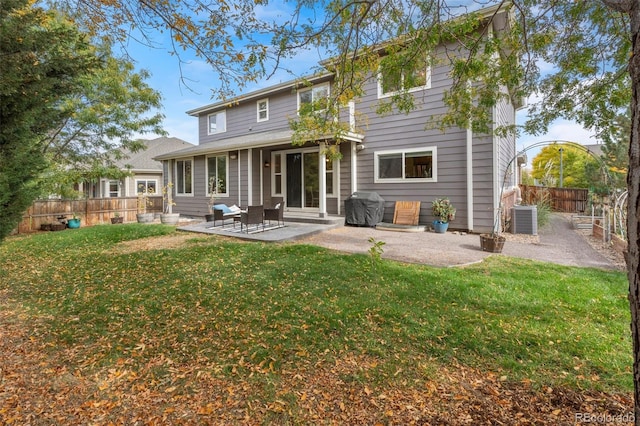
column 178, row 97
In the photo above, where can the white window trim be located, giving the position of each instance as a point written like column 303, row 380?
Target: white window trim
column 118, row 192
column 175, row 174
column 426, row 86
column 315, row 86
column 138, row 180
column 283, row 171
column 434, row 168
column 258, row 110
column 217, row 113
column 334, row 177
column 273, row 174
column 206, row 166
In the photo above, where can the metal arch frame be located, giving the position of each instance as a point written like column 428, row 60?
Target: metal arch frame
column 603, row 167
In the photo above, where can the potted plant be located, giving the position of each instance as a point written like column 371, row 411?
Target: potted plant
column 444, row 212
column 143, row 202
column 493, row 242
column 74, row 222
column 117, row 218
column 213, row 191
column 168, row 217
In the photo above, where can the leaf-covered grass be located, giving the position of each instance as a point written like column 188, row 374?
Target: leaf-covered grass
column 250, row 311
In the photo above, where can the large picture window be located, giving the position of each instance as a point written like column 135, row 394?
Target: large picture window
column 184, row 177
column 411, row 74
column 217, row 122
column 217, row 174
column 414, row 165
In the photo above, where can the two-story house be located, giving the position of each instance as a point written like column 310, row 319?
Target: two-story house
column 245, row 143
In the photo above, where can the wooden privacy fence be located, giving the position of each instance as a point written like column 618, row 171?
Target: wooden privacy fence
column 92, row 211
column 567, row 200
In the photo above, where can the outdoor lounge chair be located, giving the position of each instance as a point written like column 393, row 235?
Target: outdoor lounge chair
column 276, row 213
column 253, row 216
column 222, row 212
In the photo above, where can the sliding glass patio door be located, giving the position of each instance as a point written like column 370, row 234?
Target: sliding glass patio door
column 303, row 186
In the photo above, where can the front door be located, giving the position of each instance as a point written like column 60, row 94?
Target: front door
column 303, row 185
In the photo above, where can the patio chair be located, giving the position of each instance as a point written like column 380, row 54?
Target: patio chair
column 406, row 213
column 222, row 212
column 253, row 216
column 276, row 213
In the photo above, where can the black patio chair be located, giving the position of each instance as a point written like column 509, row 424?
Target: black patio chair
column 276, row 213
column 253, row 216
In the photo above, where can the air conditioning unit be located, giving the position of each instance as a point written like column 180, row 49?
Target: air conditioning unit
column 524, row 220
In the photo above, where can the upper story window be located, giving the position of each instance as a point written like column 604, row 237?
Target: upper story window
column 217, row 122
column 410, row 165
column 184, row 177
column 313, row 99
column 411, row 75
column 262, row 107
column 217, row 175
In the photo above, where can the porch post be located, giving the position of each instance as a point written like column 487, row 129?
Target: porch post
column 354, row 170
column 322, row 174
column 261, row 175
column 250, row 176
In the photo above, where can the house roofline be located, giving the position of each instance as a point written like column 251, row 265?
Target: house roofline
column 258, row 94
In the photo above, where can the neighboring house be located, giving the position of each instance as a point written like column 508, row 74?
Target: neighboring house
column 147, row 172
column 246, row 144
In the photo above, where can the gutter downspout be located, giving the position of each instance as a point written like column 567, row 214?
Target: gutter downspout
column 497, row 183
column 469, row 179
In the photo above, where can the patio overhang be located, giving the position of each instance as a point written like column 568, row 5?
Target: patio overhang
column 254, row 140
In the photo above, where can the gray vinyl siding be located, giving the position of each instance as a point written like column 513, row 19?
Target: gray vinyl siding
column 483, row 181
column 406, row 131
column 505, row 115
column 242, row 119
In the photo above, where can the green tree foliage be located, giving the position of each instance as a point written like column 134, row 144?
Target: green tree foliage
column 109, row 113
column 616, row 149
column 577, row 166
column 66, row 117
column 42, row 57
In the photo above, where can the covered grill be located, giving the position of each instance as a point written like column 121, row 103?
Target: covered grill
column 363, row 209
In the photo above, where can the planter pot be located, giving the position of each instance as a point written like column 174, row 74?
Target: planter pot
column 209, row 217
column 119, row 219
column 492, row 243
column 144, row 217
column 169, row 218
column 58, row 226
column 73, row 223
column 440, row 227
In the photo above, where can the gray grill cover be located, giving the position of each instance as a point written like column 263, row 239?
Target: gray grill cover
column 363, row 209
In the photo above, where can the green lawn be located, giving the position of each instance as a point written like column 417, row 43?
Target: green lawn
column 253, row 313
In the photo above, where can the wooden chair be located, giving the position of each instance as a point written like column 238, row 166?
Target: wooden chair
column 406, row 213
column 276, row 213
column 253, row 216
